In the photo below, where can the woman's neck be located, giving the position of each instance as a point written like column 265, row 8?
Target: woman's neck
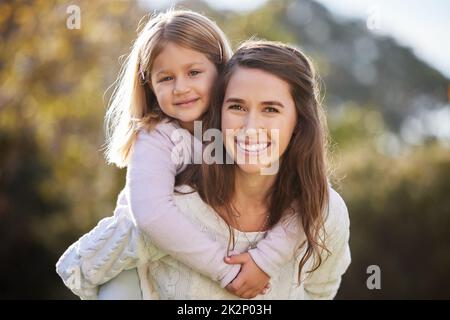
column 251, row 191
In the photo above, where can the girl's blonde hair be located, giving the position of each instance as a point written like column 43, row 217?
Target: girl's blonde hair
column 133, row 105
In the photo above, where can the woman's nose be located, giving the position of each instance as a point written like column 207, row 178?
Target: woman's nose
column 252, row 121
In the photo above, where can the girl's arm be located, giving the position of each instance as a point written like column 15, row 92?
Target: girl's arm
column 150, row 191
column 265, row 261
column 114, row 245
column 279, row 245
column 283, row 240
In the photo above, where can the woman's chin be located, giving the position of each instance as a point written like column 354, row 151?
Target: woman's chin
column 251, row 168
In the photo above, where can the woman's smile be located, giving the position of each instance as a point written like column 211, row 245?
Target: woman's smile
column 251, row 147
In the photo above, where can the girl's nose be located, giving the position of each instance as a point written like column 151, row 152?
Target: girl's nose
column 180, row 87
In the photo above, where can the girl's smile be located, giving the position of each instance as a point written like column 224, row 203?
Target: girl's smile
column 181, row 80
column 186, row 102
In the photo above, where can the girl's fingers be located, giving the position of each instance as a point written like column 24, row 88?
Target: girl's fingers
column 242, row 290
column 236, row 259
column 249, row 294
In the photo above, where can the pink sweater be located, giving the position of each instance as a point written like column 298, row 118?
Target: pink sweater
column 149, row 192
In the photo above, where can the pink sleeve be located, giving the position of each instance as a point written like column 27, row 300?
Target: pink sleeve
column 150, row 190
column 279, row 245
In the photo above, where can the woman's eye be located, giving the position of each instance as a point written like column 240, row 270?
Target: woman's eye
column 194, row 73
column 236, row 107
column 271, row 110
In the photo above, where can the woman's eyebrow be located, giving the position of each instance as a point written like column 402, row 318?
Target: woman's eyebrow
column 264, row 103
column 235, row 100
column 272, row 103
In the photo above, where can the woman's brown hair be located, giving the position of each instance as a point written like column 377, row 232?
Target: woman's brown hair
column 301, row 184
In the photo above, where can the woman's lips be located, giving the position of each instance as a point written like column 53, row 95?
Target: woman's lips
column 187, row 102
column 252, row 147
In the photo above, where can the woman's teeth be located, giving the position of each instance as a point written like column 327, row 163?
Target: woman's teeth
column 255, row 147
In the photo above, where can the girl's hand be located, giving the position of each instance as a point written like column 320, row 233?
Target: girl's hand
column 250, row 281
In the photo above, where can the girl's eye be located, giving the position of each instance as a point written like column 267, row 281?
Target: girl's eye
column 165, row 79
column 194, row 73
column 271, row 110
column 236, row 107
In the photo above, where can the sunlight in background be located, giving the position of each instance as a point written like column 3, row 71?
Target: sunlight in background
column 236, row 5
column 388, row 112
column 420, row 25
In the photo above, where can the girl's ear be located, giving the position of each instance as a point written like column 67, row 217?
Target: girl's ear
column 141, row 76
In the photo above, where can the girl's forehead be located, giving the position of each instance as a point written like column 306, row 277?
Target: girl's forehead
column 173, row 56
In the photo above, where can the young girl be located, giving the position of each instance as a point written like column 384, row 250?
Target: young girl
column 164, row 86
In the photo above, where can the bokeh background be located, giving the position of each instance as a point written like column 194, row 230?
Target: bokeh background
column 386, row 91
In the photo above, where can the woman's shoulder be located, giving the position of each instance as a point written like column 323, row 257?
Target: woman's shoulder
column 337, row 213
column 188, row 198
column 193, row 206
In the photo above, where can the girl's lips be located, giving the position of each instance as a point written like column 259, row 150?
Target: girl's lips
column 186, row 103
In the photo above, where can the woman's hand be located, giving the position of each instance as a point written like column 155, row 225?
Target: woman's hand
column 250, row 281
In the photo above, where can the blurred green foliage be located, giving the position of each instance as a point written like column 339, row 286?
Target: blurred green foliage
column 55, row 185
column 399, row 210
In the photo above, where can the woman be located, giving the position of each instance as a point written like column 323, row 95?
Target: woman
column 266, row 106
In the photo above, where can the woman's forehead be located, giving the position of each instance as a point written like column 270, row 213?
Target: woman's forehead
column 256, row 84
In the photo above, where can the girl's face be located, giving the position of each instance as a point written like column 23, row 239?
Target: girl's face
column 258, row 118
column 181, row 80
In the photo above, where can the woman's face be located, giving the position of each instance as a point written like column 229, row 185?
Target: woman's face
column 258, row 119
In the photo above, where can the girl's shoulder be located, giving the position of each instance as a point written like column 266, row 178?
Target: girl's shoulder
column 164, row 133
column 164, row 128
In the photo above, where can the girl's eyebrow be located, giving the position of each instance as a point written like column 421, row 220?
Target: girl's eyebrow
column 186, row 66
column 265, row 103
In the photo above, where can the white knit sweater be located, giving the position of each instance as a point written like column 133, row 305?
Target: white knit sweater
column 116, row 245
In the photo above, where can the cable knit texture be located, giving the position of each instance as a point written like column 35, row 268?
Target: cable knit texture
column 116, row 244
column 157, row 157
column 148, row 202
